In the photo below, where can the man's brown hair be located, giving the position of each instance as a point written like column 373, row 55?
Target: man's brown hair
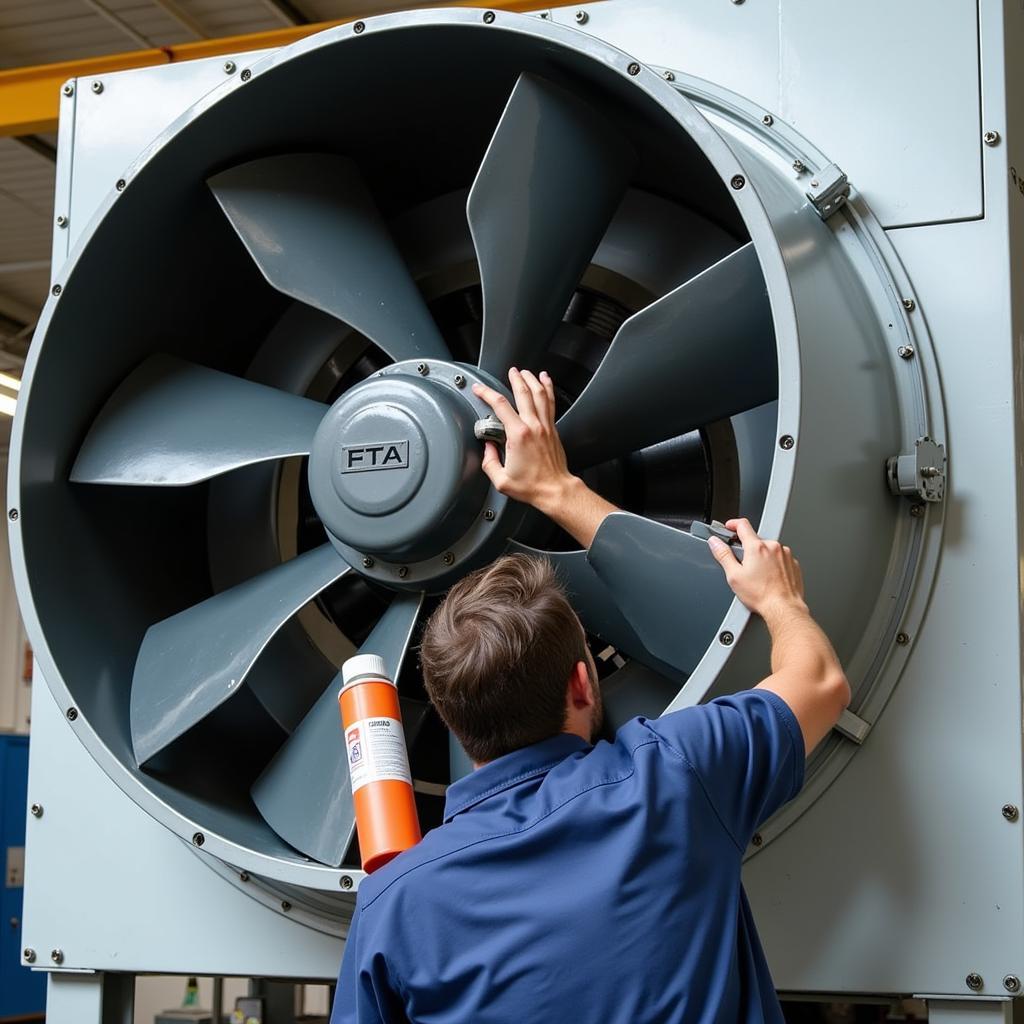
column 497, row 656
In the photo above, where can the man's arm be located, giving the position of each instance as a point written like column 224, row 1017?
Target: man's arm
column 535, row 469
column 806, row 673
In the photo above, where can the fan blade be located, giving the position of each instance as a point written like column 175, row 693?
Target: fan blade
column 635, row 690
column 316, row 234
column 550, row 181
column 304, row 793
column 192, row 662
column 595, row 605
column 666, row 584
column 172, row 423
column 700, row 353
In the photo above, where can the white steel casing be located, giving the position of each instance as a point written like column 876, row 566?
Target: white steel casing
column 905, row 876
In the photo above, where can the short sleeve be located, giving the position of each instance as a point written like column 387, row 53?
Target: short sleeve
column 365, row 994
column 747, row 752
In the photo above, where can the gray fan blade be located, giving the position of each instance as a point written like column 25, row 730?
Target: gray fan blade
column 635, row 690
column 550, row 181
column 595, row 605
column 666, row 584
column 304, row 793
column 172, row 423
column 192, row 662
column 316, row 234
column 700, row 353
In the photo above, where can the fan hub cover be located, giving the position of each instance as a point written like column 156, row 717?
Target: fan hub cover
column 395, row 468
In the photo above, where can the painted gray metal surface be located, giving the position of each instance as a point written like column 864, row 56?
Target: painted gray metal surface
column 913, row 822
column 304, row 793
column 314, row 230
column 172, row 423
column 533, row 241
column 666, row 584
column 189, row 664
column 701, row 353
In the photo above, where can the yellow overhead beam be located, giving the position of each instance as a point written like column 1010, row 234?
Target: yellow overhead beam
column 30, row 96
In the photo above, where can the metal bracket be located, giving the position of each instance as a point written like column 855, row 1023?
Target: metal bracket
column 920, row 473
column 829, row 191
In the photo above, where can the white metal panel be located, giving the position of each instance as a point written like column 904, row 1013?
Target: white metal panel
column 135, row 897
column 888, row 90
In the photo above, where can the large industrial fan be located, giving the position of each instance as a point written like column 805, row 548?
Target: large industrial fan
column 247, row 448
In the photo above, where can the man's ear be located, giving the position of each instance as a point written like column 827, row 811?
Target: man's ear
column 581, row 692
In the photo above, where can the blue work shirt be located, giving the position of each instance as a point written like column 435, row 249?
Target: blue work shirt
column 576, row 883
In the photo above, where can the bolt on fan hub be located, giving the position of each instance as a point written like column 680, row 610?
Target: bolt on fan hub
column 395, row 473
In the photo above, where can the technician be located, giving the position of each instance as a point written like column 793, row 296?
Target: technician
column 574, row 881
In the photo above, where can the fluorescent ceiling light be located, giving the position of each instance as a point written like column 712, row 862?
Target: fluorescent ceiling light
column 10, row 382
column 7, row 405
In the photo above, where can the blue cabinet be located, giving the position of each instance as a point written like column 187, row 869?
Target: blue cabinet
column 22, row 992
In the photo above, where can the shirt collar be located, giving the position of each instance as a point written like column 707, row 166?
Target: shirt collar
column 507, row 771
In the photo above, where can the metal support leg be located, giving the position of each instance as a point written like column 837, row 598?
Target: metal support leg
column 90, row 998
column 973, row 1011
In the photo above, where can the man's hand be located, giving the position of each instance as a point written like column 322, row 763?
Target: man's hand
column 535, row 470
column 768, row 578
column 806, row 673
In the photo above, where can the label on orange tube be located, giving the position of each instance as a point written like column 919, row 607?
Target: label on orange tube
column 376, row 752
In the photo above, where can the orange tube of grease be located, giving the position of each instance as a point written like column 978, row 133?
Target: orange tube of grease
column 378, row 763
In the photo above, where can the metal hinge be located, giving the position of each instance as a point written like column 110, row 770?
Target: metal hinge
column 829, row 191
column 920, row 473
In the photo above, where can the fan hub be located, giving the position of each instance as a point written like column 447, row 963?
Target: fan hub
column 394, row 471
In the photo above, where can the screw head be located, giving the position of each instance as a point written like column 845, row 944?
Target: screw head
column 198, row 839
column 786, row 442
column 489, row 514
column 737, row 181
column 57, row 956
column 1010, row 812
column 56, row 290
column 12, row 514
column 459, row 380
column 582, row 17
column 909, row 305
column 449, row 558
column 72, row 714
column 346, row 882
column 799, row 166
column 634, row 69
column 737, row 2
column 243, row 876
column 917, row 510
column 229, row 67
column 403, row 571
column 358, row 27
column 902, row 639
column 422, row 369
column 974, row 981
column 97, row 87
column 28, row 955
column 68, row 89
column 285, row 906
column 367, row 562
column 768, row 120
column 488, row 17
column 757, row 839
column 245, row 75
column 669, row 76
column 905, row 351
column 120, row 184
column 37, row 810
column 991, row 138
column 1011, row 983
column 62, row 221
column 725, row 638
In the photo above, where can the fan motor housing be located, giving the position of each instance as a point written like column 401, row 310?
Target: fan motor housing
column 811, row 467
